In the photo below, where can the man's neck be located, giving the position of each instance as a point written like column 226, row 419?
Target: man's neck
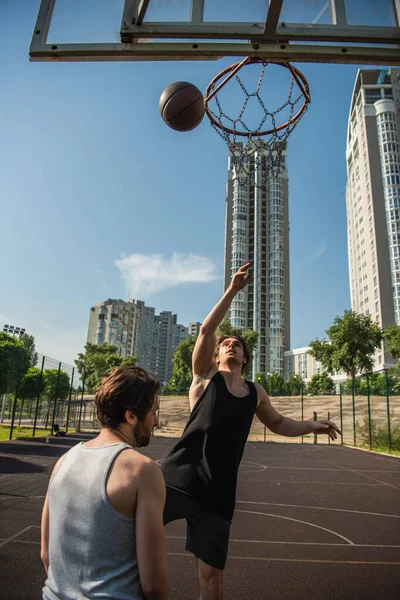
column 233, row 377
column 112, row 436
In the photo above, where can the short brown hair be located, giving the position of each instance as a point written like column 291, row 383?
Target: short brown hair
column 239, row 338
column 125, row 388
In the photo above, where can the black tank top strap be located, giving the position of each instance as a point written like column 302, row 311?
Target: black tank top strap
column 252, row 388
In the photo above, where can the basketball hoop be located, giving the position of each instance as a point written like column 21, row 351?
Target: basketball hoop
column 259, row 156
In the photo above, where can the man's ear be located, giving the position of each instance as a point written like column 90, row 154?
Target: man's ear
column 244, row 360
column 130, row 417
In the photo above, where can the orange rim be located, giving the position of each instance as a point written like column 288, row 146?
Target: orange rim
column 232, row 70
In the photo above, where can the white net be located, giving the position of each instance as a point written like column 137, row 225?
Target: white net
column 257, row 137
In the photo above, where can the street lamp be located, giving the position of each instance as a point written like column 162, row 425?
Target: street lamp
column 12, row 330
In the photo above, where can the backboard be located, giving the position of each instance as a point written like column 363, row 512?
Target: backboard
column 331, row 31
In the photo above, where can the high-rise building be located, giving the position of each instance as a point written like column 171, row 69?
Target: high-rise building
column 136, row 330
column 257, row 230
column 194, row 328
column 112, row 322
column 373, row 197
column 168, row 334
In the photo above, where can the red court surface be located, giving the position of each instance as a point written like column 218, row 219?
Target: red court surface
column 311, row 522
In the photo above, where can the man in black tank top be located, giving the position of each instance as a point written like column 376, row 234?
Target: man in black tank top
column 201, row 470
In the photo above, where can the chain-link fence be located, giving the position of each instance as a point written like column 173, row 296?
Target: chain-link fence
column 52, row 401
column 368, row 418
column 56, row 402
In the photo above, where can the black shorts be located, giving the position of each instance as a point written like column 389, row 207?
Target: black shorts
column 207, row 534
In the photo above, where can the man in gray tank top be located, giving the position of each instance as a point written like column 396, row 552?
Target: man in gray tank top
column 201, row 470
column 102, row 526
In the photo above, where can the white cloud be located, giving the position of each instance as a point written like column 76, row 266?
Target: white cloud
column 316, row 254
column 151, row 273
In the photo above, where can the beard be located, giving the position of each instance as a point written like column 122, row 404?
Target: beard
column 142, row 434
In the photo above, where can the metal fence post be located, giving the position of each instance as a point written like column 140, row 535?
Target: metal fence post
column 315, row 419
column 329, row 437
column 302, row 407
column 369, row 413
column 388, row 410
column 21, row 411
column 354, row 411
column 55, row 399
column 341, row 412
column 80, row 409
column 13, row 411
column 69, row 399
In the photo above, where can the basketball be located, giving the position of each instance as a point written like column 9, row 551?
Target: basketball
column 182, row 106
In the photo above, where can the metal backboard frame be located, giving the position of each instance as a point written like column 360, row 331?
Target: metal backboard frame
column 337, row 42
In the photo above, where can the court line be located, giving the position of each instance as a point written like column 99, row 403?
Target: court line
column 308, row 482
column 15, row 536
column 5, row 496
column 330, row 470
column 396, row 487
column 334, row 544
column 357, row 512
column 295, row 560
column 278, row 542
column 251, row 512
column 248, row 465
column 22, row 542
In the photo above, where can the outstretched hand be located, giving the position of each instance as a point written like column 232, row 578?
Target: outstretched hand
column 239, row 279
column 327, row 427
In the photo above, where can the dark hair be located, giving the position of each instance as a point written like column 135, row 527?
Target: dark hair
column 125, row 388
column 239, row 338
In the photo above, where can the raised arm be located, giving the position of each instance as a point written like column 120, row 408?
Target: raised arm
column 203, row 354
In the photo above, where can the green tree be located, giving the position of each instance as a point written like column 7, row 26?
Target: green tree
column 14, row 363
column 392, row 340
column 294, row 385
column 97, row 361
column 321, row 383
column 31, row 384
column 261, row 378
column 353, row 340
column 181, row 367
column 129, row 361
column 28, row 342
column 50, row 377
column 348, row 386
column 276, row 384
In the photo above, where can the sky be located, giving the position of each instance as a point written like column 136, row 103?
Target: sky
column 100, row 199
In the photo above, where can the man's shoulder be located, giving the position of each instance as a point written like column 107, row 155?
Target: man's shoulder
column 136, row 463
column 199, row 384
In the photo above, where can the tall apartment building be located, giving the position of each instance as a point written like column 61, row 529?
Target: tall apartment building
column 373, row 197
column 257, row 230
column 168, row 333
column 194, row 328
column 136, row 330
column 114, row 321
